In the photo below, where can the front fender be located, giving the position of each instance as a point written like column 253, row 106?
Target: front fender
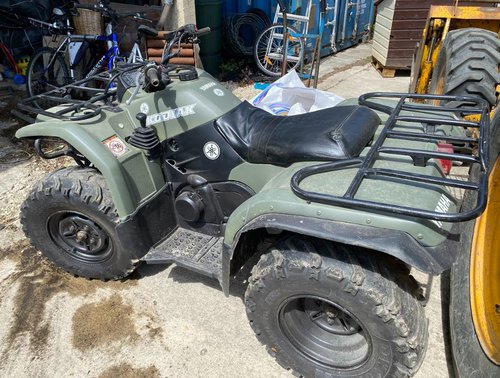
column 94, row 151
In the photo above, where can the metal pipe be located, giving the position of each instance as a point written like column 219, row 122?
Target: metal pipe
column 333, row 38
column 356, row 19
column 347, row 6
column 285, row 37
column 167, row 4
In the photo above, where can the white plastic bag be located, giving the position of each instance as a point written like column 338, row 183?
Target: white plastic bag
column 289, row 96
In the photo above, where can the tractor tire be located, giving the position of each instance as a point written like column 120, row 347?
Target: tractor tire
column 329, row 310
column 470, row 360
column 70, row 217
column 467, row 64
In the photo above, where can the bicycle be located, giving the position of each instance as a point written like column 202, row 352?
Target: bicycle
column 282, row 47
column 48, row 69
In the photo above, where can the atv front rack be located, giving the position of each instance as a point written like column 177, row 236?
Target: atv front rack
column 365, row 164
column 64, row 104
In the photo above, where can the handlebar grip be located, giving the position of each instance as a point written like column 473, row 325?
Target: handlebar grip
column 202, row 31
column 152, row 75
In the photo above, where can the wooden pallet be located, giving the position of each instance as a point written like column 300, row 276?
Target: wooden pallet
column 386, row 71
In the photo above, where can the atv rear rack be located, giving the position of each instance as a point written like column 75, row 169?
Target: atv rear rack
column 67, row 108
column 420, row 157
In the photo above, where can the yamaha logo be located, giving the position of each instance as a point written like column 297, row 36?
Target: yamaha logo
column 211, row 150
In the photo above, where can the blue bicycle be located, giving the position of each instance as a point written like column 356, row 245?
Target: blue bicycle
column 48, row 70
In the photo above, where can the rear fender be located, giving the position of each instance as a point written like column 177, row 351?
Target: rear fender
column 399, row 244
column 94, row 151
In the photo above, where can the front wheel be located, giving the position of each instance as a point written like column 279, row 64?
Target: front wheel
column 70, row 217
column 46, row 71
column 325, row 310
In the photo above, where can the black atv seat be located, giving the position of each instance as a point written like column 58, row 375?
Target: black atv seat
column 262, row 138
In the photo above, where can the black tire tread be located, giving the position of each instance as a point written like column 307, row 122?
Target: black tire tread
column 469, row 359
column 85, row 183
column 472, row 57
column 388, row 292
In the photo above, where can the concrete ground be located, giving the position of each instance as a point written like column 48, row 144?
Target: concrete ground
column 164, row 321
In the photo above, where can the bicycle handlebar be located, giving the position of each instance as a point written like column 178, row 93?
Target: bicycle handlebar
column 52, row 27
column 93, row 7
column 104, row 9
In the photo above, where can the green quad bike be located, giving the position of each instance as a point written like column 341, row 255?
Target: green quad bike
column 339, row 204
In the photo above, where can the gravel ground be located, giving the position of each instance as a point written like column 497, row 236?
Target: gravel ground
column 163, row 321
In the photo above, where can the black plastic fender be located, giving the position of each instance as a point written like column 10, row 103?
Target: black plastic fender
column 431, row 260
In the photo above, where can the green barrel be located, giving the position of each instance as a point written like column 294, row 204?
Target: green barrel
column 209, row 13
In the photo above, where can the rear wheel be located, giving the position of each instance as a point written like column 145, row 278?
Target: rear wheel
column 467, row 64
column 46, row 71
column 71, row 219
column 269, row 50
column 327, row 310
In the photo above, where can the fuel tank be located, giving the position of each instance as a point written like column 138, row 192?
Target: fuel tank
column 182, row 105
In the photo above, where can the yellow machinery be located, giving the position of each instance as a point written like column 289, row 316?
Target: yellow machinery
column 440, row 21
column 459, row 54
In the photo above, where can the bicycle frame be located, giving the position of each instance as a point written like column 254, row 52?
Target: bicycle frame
column 135, row 55
column 72, row 43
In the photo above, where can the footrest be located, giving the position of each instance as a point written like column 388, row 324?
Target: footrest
column 199, row 252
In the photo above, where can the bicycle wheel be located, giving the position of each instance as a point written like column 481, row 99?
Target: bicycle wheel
column 268, row 50
column 45, row 72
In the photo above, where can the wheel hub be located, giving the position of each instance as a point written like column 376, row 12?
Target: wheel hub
column 79, row 236
column 331, row 319
column 324, row 332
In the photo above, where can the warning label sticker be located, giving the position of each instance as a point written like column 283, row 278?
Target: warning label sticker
column 116, row 146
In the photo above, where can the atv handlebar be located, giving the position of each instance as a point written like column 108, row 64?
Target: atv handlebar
column 153, row 75
column 186, row 32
